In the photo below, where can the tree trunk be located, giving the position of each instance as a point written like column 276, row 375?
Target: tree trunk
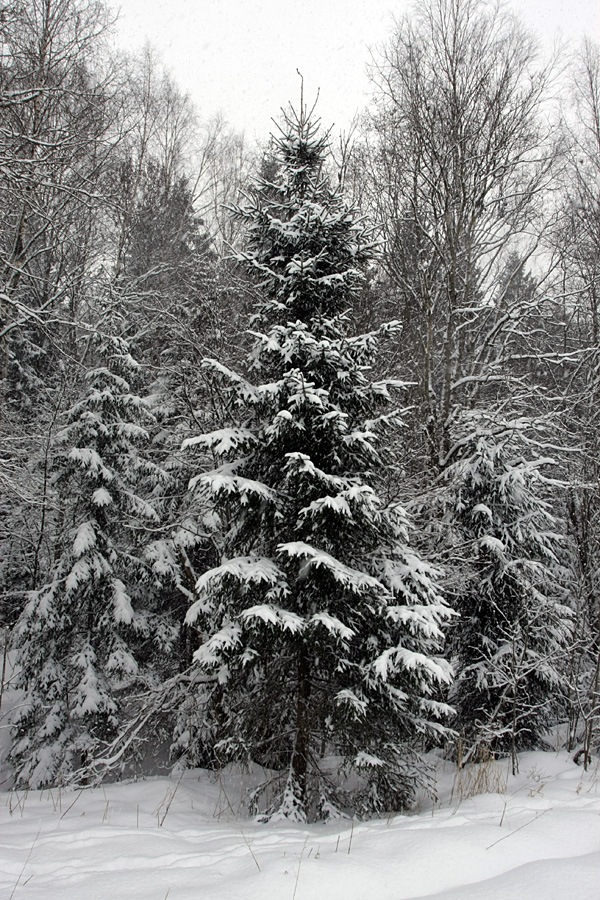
column 302, row 744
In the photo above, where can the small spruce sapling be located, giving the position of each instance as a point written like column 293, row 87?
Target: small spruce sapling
column 77, row 636
column 510, row 642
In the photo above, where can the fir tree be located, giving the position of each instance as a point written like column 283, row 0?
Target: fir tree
column 78, row 635
column 320, row 625
column 511, row 640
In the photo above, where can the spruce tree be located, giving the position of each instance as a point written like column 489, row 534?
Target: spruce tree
column 510, row 643
column 320, row 625
column 82, row 637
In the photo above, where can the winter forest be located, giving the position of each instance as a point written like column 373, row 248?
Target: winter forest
column 299, row 450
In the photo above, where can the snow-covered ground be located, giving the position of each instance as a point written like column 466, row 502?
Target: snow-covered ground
column 535, row 836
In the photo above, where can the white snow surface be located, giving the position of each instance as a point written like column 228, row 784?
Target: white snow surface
column 186, row 838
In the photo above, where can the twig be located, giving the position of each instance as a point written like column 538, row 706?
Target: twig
column 4, row 658
column 351, row 836
column 298, row 869
column 80, row 792
column 502, row 816
column 241, row 830
column 171, row 798
column 510, row 834
column 24, row 865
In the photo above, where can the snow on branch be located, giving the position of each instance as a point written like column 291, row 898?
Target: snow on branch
column 222, row 441
column 247, row 570
column 350, row 578
column 395, row 658
column 333, row 625
column 301, row 464
column 274, row 615
column 90, row 459
column 221, row 481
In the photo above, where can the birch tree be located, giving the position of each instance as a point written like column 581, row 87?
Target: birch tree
column 460, row 164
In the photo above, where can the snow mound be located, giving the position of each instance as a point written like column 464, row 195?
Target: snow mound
column 186, row 839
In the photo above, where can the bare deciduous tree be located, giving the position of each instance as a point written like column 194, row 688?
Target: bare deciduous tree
column 459, row 168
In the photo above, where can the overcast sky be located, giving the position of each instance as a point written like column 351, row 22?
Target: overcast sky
column 240, row 57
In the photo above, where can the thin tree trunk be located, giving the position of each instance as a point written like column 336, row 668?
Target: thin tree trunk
column 302, row 745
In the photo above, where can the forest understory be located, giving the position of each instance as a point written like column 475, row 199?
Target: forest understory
column 299, row 445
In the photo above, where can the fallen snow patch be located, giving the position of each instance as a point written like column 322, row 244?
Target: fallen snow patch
column 187, row 839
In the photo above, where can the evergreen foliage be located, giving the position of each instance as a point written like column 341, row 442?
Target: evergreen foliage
column 511, row 640
column 78, row 635
column 320, row 624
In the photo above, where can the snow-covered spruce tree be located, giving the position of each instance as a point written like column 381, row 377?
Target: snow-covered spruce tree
column 510, row 643
column 78, row 635
column 320, row 624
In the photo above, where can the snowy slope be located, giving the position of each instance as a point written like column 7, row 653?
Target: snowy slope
column 538, row 839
